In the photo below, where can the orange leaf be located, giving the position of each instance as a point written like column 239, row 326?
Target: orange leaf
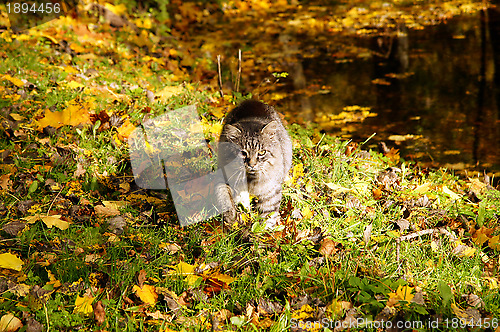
column 147, row 294
column 75, row 114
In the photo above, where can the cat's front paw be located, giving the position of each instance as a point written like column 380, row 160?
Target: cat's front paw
column 272, row 220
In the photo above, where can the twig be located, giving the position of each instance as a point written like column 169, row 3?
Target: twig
column 238, row 77
column 425, row 232
column 441, row 230
column 53, row 201
column 220, row 76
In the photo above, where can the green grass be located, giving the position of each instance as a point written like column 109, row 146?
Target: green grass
column 282, row 271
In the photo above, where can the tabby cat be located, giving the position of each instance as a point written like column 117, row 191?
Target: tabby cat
column 254, row 135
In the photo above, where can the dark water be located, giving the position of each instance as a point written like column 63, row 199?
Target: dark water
column 438, row 84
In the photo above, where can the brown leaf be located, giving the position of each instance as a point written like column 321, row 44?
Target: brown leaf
column 103, row 211
column 267, row 307
column 99, row 313
column 10, row 323
column 14, row 227
column 328, row 247
column 33, row 326
column 80, row 171
column 367, row 234
column 141, row 278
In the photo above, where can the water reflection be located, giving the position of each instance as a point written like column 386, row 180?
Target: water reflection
column 438, row 83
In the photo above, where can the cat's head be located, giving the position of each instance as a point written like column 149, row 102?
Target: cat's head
column 259, row 146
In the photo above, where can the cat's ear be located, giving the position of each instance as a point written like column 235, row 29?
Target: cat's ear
column 270, row 129
column 232, row 132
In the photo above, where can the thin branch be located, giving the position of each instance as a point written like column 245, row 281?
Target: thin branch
column 220, row 76
column 238, row 77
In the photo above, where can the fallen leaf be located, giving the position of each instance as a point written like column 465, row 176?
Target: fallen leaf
column 83, row 305
column 146, row 293
column 182, row 268
column 55, row 220
column 16, row 81
column 169, row 91
column 103, row 211
column 307, row 213
column 99, row 313
column 75, row 114
column 16, row 117
column 10, row 323
column 450, row 193
column 10, row 261
column 327, row 247
column 367, row 234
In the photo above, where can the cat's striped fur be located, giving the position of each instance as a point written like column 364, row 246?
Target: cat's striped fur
column 254, row 132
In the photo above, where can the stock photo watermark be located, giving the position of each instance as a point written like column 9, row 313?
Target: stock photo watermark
column 170, row 151
column 429, row 324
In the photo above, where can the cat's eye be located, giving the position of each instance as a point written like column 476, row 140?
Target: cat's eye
column 244, row 153
column 261, row 153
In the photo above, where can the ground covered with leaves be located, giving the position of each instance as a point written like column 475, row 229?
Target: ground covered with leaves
column 366, row 241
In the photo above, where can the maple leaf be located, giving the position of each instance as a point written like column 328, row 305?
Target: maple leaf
column 403, row 293
column 10, row 261
column 83, row 305
column 306, row 311
column 307, row 213
column 494, row 242
column 146, row 293
column 75, row 114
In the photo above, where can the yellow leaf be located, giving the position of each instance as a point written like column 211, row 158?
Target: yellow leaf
column 147, row 294
column 403, row 293
column 183, row 268
column 16, row 81
column 495, row 242
column 74, row 85
column 16, row 116
column 460, row 313
column 192, row 279
column 83, row 305
column 31, row 219
column 450, row 193
column 10, row 323
column 53, row 279
column 217, row 112
column 222, row 277
column 298, row 171
column 491, row 282
column 423, row 188
column 10, row 261
column 55, row 220
column 307, row 213
column 468, row 252
column 77, row 48
column 479, row 238
column 76, row 113
column 118, row 10
column 337, row 189
column 216, row 129
column 125, row 129
column 434, row 246
column 303, row 313
column 168, row 91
